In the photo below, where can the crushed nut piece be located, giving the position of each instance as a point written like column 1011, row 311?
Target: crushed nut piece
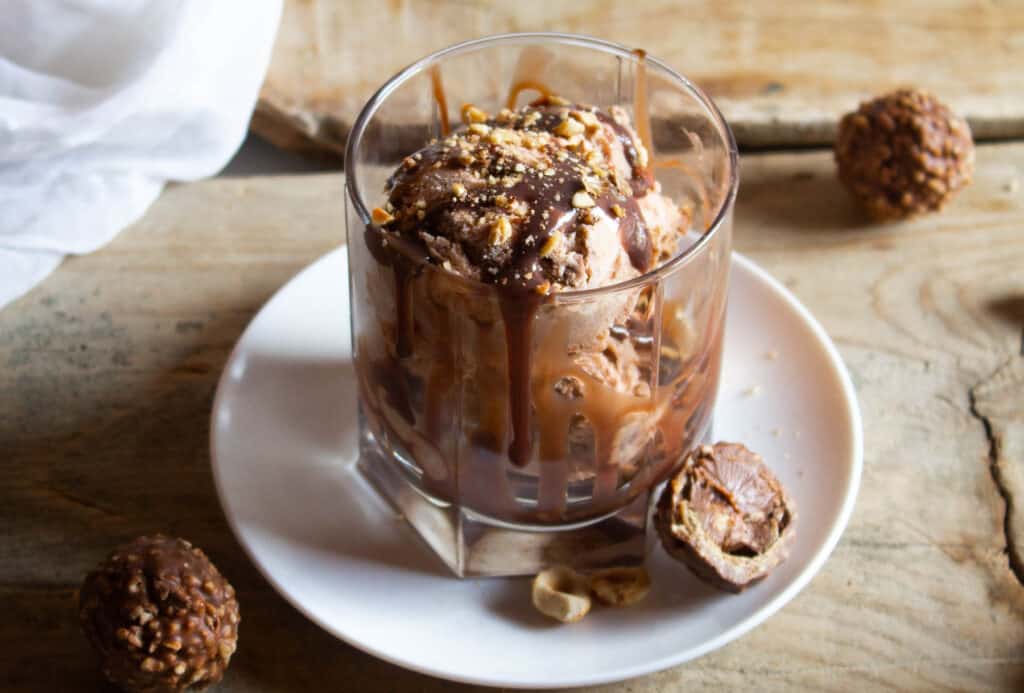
column 381, row 217
column 501, row 231
column 472, row 114
column 562, row 594
column 504, row 136
column 589, row 120
column 531, row 119
column 551, row 244
column 582, row 200
column 620, row 586
column 479, row 129
column 569, row 127
column 618, row 211
column 641, row 155
column 458, row 189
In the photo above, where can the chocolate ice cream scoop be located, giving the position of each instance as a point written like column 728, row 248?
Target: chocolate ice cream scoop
column 542, row 199
column 553, row 197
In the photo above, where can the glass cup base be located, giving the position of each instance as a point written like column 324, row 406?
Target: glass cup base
column 473, row 545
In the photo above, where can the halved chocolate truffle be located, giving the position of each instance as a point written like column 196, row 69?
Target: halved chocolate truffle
column 726, row 516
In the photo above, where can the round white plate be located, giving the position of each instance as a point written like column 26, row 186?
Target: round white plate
column 284, row 445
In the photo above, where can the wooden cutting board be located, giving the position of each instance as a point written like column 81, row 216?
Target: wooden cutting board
column 782, row 73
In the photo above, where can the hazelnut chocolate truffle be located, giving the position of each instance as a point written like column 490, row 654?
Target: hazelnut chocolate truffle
column 726, row 516
column 904, row 154
column 160, row 616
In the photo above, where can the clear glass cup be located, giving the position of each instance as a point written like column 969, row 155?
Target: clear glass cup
column 509, row 437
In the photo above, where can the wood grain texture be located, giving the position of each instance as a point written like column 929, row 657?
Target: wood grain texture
column 109, row 369
column 782, row 73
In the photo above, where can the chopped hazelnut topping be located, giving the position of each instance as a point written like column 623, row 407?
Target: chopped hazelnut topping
column 501, row 231
column 589, row 120
column 553, row 241
column 472, row 114
column 504, row 136
column 381, row 217
column 479, row 129
column 582, row 200
column 641, row 155
column 458, row 189
column 618, row 211
column 530, row 119
column 569, row 127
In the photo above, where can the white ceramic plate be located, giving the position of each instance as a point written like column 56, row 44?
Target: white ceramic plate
column 284, row 447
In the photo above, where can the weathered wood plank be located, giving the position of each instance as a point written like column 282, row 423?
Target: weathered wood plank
column 782, row 73
column 999, row 402
column 109, row 368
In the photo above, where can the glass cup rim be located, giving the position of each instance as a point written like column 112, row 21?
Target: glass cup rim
column 372, row 105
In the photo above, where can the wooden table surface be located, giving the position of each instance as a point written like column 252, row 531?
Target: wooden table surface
column 109, row 368
column 782, row 72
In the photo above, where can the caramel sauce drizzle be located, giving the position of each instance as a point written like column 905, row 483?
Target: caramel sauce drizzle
column 526, row 85
column 640, row 103
column 442, row 101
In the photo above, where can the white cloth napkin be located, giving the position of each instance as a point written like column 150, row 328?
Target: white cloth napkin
column 102, row 102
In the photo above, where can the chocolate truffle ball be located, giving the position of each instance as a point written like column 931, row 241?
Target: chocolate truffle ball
column 160, row 616
column 903, row 154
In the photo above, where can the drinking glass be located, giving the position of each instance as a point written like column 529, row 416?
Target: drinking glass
column 489, row 424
